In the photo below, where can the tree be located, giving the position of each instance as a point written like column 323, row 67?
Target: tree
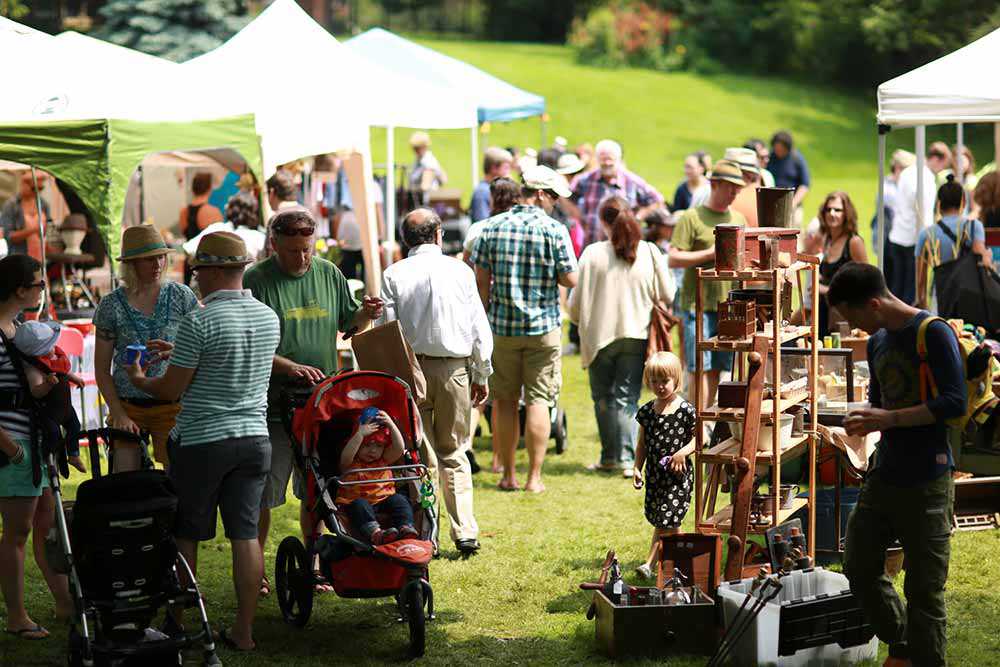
column 174, row 29
column 13, row 9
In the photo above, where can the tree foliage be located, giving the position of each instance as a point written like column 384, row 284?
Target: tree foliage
column 174, row 29
column 13, row 9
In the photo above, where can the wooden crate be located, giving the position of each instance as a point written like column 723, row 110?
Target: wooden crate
column 655, row 630
column 737, row 319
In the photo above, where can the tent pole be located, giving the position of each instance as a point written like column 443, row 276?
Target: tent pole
column 880, row 210
column 920, row 148
column 42, row 222
column 475, row 155
column 390, row 194
column 142, row 196
column 959, row 145
column 545, row 132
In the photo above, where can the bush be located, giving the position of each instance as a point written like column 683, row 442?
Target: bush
column 632, row 34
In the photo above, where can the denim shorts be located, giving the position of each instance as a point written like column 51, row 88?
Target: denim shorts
column 713, row 361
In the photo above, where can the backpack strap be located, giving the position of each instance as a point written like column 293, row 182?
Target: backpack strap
column 927, row 384
column 947, row 232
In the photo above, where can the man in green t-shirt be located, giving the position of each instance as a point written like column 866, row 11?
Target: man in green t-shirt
column 693, row 247
column 312, row 300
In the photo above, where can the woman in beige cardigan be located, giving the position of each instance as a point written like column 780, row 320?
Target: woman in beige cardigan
column 620, row 279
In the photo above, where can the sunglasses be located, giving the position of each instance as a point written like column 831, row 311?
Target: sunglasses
column 295, row 231
column 40, row 284
column 830, row 209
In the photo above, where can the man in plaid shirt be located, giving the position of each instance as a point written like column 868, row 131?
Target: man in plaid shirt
column 608, row 180
column 521, row 259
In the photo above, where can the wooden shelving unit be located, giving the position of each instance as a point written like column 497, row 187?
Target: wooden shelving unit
column 742, row 457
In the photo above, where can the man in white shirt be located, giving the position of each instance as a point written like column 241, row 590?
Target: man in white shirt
column 427, row 173
column 906, row 224
column 437, row 303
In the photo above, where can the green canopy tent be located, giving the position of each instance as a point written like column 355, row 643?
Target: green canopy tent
column 97, row 158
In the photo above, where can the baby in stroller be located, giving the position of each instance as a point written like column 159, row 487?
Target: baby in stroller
column 375, row 445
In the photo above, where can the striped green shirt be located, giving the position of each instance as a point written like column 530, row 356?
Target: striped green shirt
column 231, row 343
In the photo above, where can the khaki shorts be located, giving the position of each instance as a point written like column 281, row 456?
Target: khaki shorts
column 531, row 362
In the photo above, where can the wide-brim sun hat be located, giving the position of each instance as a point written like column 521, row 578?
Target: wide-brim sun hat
column 724, row 170
column 222, row 249
column 569, row 164
column 142, row 241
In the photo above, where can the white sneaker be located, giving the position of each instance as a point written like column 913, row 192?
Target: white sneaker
column 627, row 473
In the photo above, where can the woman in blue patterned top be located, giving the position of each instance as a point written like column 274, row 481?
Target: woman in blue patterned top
column 146, row 311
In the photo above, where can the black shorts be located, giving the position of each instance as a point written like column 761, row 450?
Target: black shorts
column 226, row 476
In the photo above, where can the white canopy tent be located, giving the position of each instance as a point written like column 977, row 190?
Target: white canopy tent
column 313, row 95
column 957, row 88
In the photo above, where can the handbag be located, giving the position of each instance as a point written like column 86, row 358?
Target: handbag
column 661, row 320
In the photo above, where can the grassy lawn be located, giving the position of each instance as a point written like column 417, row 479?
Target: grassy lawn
column 517, row 602
column 660, row 117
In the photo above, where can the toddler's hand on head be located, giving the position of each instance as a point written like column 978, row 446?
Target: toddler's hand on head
column 369, row 428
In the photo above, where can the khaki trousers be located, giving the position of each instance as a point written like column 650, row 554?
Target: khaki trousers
column 445, row 414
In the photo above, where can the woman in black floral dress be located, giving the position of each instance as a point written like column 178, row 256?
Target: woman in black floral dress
column 666, row 440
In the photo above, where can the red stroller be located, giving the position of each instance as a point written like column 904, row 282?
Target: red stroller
column 320, row 429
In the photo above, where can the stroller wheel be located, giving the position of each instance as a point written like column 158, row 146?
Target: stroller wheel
column 413, row 596
column 293, row 582
column 559, row 430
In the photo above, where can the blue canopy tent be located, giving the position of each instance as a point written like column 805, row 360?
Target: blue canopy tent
column 496, row 100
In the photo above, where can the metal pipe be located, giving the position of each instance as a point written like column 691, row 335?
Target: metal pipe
column 390, row 192
column 42, row 223
column 880, row 202
column 959, row 146
column 920, row 146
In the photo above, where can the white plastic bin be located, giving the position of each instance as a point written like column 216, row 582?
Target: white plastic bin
column 759, row 645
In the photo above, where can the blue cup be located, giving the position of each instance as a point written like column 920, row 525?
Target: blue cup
column 134, row 352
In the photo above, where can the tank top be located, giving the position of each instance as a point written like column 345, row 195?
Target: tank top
column 192, row 230
column 827, row 270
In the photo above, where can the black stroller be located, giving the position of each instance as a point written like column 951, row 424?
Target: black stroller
column 115, row 542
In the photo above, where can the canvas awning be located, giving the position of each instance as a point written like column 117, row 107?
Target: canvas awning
column 496, row 100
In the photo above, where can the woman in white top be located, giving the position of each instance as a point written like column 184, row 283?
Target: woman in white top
column 620, row 280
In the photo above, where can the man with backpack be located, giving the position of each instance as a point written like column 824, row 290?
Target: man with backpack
column 952, row 236
column 918, row 389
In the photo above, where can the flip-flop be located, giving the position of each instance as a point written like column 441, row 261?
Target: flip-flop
column 321, row 585
column 265, row 587
column 228, row 642
column 24, row 633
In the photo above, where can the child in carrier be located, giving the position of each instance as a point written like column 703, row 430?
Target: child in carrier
column 376, row 443
column 666, row 440
column 47, row 370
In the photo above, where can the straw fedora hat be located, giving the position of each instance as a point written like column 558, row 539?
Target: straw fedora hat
column 221, row 249
column 420, row 139
column 142, row 241
column 723, row 170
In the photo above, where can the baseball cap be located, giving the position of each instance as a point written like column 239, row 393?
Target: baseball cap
column 36, row 339
column 541, row 177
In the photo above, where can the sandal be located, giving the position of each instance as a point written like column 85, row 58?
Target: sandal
column 265, row 587
column 228, row 642
column 321, row 585
column 34, row 633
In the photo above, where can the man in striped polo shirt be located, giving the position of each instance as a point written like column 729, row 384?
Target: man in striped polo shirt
column 219, row 451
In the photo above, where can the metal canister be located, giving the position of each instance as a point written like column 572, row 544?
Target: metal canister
column 730, row 246
column 835, row 338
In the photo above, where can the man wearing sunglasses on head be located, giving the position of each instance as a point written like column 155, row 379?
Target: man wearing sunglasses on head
column 313, row 302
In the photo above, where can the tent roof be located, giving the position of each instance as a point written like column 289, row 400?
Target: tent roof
column 314, row 94
column 955, row 88
column 495, row 99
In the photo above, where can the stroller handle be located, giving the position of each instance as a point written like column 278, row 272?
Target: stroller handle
column 419, row 467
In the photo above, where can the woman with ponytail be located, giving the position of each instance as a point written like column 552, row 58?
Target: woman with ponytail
column 619, row 282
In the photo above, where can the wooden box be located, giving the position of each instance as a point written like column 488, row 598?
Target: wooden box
column 655, row 630
column 732, row 394
column 697, row 555
column 737, row 319
column 788, row 240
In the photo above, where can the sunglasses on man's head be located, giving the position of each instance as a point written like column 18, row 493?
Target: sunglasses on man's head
column 293, row 231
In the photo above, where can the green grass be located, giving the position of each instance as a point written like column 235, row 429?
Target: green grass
column 516, row 602
column 660, row 117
